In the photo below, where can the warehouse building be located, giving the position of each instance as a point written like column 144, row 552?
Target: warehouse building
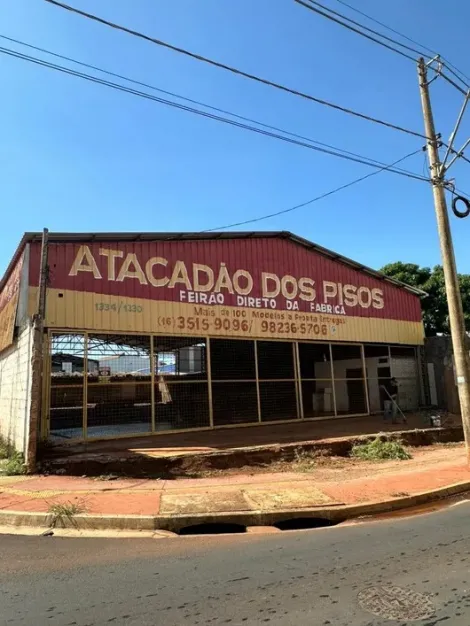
column 128, row 334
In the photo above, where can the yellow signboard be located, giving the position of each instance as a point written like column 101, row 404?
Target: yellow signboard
column 81, row 310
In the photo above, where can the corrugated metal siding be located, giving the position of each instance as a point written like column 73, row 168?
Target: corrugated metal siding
column 9, row 298
column 279, row 256
column 23, row 300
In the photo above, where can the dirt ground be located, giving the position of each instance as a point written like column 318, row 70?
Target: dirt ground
column 329, row 468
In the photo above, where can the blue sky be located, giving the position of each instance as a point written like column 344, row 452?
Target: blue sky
column 82, row 157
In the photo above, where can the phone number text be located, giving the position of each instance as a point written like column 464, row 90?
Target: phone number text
column 228, row 325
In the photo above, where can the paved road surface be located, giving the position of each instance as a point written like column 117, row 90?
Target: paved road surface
column 416, row 566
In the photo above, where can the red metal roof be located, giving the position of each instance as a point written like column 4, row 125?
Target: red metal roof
column 201, row 236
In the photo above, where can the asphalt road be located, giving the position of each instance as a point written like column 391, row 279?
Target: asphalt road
column 416, row 567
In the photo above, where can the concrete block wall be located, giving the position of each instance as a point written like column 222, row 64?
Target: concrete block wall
column 15, row 390
column 439, row 361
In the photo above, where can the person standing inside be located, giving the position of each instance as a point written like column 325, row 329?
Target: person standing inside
column 389, row 393
column 393, row 391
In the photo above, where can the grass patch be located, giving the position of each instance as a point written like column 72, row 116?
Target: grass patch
column 379, row 450
column 64, row 512
column 4, row 450
column 11, row 462
column 13, row 465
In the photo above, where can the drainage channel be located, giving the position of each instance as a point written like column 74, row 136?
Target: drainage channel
column 311, row 523
column 304, row 523
column 212, row 529
column 227, row 528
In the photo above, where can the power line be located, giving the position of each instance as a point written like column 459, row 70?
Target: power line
column 244, row 74
column 175, row 95
column 397, row 32
column 234, row 70
column 460, row 193
column 438, row 72
column 370, row 30
column 94, row 79
column 251, row 76
column 331, row 12
column 321, row 197
column 353, row 8
column 329, row 16
column 454, row 73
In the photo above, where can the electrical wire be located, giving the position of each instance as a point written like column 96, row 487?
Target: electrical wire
column 175, row 95
column 425, row 163
column 417, row 43
column 320, row 197
column 329, row 16
column 244, row 74
column 453, row 190
column 370, row 30
column 458, row 196
column 94, row 79
column 234, row 70
column 460, row 193
column 254, row 77
column 449, row 67
column 438, row 71
column 369, row 17
column 331, row 12
column 460, row 155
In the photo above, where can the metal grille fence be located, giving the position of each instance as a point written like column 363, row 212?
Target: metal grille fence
column 66, row 392
column 277, row 380
column 110, row 385
column 181, row 383
column 119, row 387
column 234, row 382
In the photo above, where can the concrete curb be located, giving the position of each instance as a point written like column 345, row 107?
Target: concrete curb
column 338, row 513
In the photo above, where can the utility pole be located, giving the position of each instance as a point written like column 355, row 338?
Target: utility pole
column 37, row 359
column 454, row 300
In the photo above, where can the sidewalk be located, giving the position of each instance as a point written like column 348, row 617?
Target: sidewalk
column 334, row 483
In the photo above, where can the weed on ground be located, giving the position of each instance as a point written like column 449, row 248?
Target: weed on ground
column 13, row 465
column 64, row 512
column 4, row 450
column 378, row 450
column 107, row 477
column 305, row 461
column 11, row 462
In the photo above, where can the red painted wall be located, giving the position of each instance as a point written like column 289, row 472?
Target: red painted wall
column 277, row 256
